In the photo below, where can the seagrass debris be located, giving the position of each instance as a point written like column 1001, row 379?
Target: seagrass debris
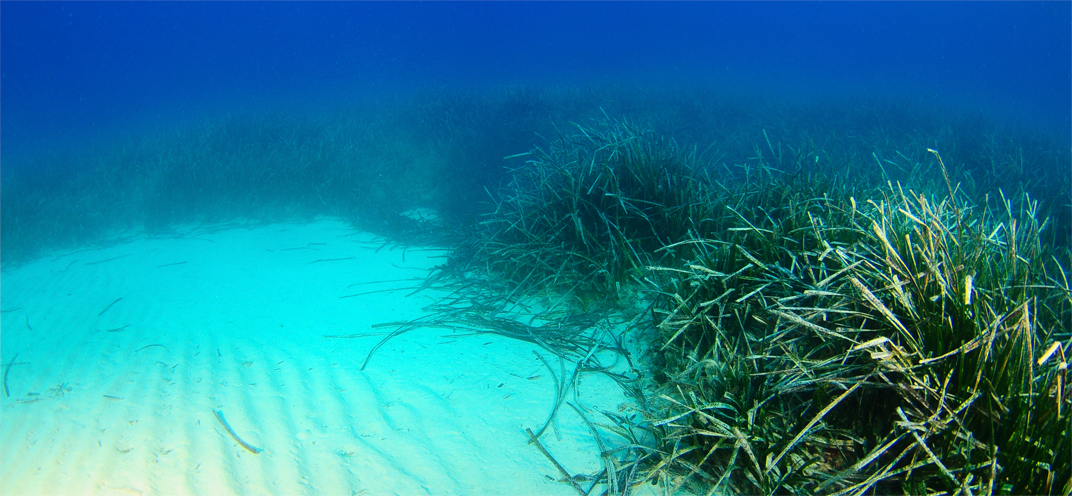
column 476, row 304
column 223, row 421
column 469, row 305
column 564, row 339
column 7, row 368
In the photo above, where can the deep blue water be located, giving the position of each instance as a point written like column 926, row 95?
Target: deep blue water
column 70, row 70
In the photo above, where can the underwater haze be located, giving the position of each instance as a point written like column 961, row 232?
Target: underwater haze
column 521, row 248
column 72, row 69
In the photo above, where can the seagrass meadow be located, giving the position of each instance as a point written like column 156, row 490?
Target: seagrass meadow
column 836, row 297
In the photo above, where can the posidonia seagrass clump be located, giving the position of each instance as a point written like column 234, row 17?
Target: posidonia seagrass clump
column 815, row 334
column 898, row 344
column 582, row 215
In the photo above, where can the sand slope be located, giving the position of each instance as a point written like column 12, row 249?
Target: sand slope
column 124, row 353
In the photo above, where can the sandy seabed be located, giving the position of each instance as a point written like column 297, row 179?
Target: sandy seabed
column 116, row 360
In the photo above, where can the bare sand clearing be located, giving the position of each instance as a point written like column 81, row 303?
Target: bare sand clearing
column 117, row 360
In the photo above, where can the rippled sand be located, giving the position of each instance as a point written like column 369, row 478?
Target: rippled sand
column 117, row 358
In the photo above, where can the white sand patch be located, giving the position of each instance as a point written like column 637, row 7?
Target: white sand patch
column 125, row 353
